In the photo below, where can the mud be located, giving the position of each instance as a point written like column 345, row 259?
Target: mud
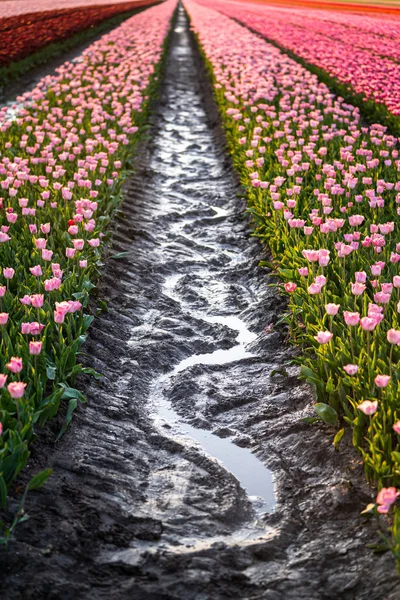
column 138, row 509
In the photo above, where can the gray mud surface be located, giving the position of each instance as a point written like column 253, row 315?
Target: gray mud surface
column 135, row 508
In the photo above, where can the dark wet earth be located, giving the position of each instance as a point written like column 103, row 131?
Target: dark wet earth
column 144, row 502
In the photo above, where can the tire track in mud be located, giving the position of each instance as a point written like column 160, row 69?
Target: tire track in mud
column 135, row 509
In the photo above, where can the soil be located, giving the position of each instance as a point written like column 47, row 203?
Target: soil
column 136, row 509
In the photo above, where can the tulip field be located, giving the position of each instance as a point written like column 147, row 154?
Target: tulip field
column 62, row 151
column 26, row 27
column 323, row 190
column 320, row 178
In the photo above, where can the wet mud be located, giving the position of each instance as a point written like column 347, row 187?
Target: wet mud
column 189, row 474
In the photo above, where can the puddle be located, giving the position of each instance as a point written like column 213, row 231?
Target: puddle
column 219, row 212
column 251, row 473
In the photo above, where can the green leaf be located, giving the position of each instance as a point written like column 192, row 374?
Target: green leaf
column 266, row 263
column 330, row 386
column 326, row 413
column 3, row 492
column 38, row 480
column 103, row 306
column 120, row 255
column 70, row 393
column 310, row 420
column 92, row 372
column 79, row 295
column 88, row 285
column 280, row 371
column 307, row 374
column 338, row 437
column 285, row 273
column 51, row 372
column 87, row 321
column 73, row 403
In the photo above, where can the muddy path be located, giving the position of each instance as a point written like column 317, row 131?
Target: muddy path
column 138, row 506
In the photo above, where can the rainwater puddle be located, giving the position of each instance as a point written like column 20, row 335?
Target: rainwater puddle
column 219, row 212
column 251, row 473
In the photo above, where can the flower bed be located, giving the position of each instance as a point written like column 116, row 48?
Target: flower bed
column 324, row 194
column 63, row 151
column 23, row 34
column 359, row 51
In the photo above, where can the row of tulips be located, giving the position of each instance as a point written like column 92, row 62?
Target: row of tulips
column 63, row 156
column 357, row 50
column 23, row 34
column 11, row 8
column 324, row 193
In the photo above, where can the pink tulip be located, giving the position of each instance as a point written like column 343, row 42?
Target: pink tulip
column 385, row 498
column 290, row 287
column 3, row 318
column 357, row 288
column 8, row 272
column 351, row 369
column 35, row 348
column 16, row 389
column 314, row 288
column 3, row 379
column 15, row 364
column 368, row 408
column 323, row 337
column 376, row 270
column 351, row 318
column 368, row 323
column 361, row 276
column 36, row 271
column 332, row 309
column 40, row 243
column 382, row 381
column 393, row 336
column 37, row 300
column 59, row 316
column 396, row 427
column 47, row 254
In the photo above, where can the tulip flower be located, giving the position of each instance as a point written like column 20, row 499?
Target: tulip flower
column 35, row 348
column 351, row 369
column 368, row 408
column 323, row 337
column 290, row 287
column 16, row 389
column 15, row 364
column 382, row 381
column 393, row 336
column 386, row 498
